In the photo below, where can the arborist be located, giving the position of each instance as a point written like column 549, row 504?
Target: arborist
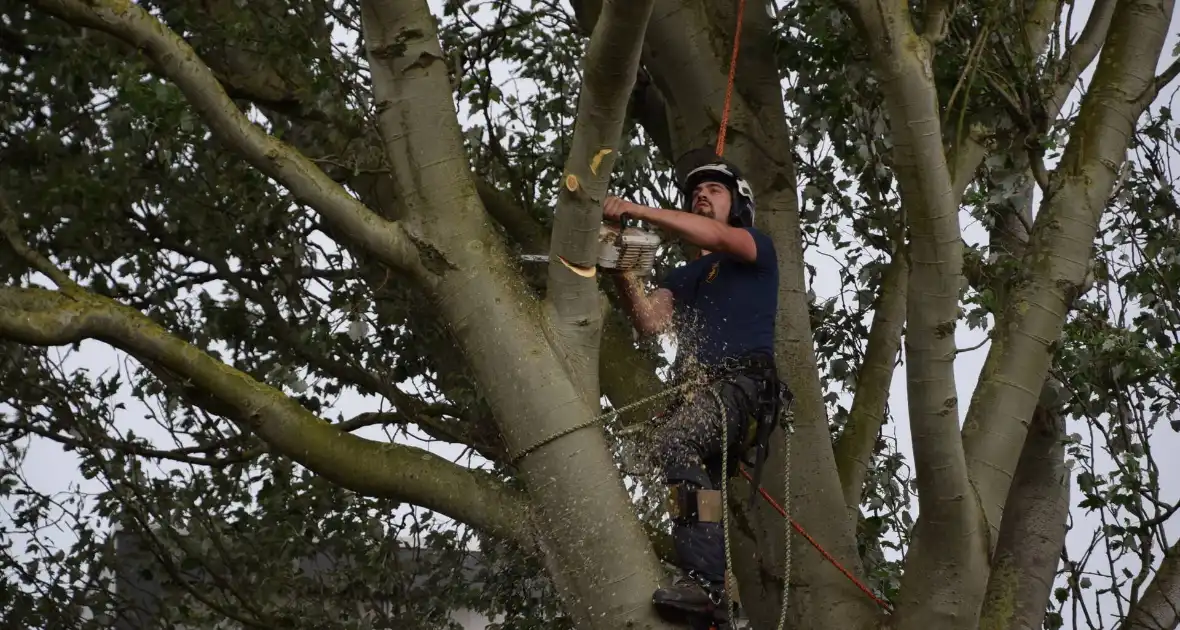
column 721, row 306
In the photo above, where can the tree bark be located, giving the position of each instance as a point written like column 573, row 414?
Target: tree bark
column 1159, row 608
column 1033, row 531
column 855, row 446
column 946, row 564
column 1079, row 56
column 1025, row 562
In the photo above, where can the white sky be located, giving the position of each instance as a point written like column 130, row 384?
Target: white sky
column 51, row 470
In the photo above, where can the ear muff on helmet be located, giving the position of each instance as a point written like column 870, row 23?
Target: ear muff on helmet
column 741, row 212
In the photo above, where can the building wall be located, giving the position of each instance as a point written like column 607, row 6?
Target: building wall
column 140, row 586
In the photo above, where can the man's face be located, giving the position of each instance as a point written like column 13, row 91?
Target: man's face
column 712, row 199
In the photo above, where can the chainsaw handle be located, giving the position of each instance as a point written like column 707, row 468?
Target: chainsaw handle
column 624, row 219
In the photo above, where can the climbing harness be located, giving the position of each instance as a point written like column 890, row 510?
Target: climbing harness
column 787, row 422
column 513, row 459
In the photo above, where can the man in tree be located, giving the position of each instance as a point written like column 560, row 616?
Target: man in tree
column 721, row 306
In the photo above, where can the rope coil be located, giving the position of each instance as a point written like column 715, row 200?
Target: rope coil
column 514, row 459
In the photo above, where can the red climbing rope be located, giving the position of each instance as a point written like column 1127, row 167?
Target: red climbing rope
column 737, row 38
column 827, row 556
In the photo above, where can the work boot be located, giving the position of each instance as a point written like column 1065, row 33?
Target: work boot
column 688, row 595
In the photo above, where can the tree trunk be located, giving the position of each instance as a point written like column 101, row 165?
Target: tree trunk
column 604, row 563
column 1025, row 563
column 1033, row 532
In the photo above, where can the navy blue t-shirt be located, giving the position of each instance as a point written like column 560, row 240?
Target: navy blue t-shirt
column 723, row 307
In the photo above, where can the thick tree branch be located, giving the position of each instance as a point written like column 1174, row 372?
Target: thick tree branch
column 855, row 446
column 650, row 109
column 609, row 69
column 48, row 318
column 625, row 373
column 499, row 325
column 180, row 63
column 1080, row 55
column 1159, row 607
column 964, row 157
column 1057, row 260
column 934, row 24
column 648, row 105
column 521, row 227
column 946, row 567
column 1153, row 89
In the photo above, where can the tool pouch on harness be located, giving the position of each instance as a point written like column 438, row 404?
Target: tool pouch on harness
column 774, row 398
column 690, row 504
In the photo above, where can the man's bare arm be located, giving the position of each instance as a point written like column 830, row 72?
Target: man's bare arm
column 651, row 314
column 703, row 232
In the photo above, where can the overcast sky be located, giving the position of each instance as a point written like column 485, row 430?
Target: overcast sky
column 50, row 470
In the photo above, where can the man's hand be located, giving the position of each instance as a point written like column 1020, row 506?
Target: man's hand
column 613, row 208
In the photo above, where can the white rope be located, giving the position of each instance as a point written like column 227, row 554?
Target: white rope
column 787, row 429
column 725, row 503
column 788, row 426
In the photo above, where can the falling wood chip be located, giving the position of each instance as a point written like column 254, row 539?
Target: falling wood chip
column 585, row 272
column 597, row 160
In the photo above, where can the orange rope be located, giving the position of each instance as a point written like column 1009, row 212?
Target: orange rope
column 827, row 556
column 737, row 38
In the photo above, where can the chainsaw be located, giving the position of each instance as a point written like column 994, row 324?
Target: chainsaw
column 622, row 247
